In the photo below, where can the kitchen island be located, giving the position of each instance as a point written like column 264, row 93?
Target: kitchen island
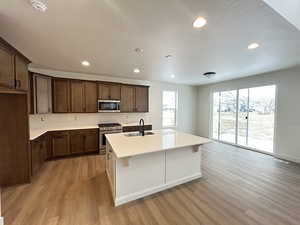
column 138, row 166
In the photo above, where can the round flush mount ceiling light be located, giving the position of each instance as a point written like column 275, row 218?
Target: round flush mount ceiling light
column 199, row 22
column 172, row 75
column 253, row 46
column 85, row 63
column 39, row 5
column 209, row 74
column 139, row 50
column 136, row 70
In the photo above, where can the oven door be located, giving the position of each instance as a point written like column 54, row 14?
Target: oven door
column 102, row 139
column 108, row 106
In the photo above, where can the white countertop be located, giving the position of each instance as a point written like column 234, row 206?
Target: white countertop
column 162, row 140
column 35, row 133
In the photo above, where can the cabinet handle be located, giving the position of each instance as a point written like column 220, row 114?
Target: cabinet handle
column 17, row 83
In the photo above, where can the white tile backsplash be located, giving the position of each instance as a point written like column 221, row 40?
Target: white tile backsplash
column 50, row 121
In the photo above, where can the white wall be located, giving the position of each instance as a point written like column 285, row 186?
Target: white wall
column 187, row 100
column 288, row 107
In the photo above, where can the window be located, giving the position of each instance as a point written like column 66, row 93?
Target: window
column 245, row 117
column 169, row 108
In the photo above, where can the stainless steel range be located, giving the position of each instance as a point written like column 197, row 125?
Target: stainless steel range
column 107, row 128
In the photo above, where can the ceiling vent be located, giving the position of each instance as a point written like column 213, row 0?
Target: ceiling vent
column 39, row 5
column 209, row 74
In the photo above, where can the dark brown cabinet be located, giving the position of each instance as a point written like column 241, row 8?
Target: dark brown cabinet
column 91, row 140
column 61, row 95
column 136, row 128
column 127, row 98
column 141, row 99
column 7, row 77
column 77, row 142
column 108, row 91
column 21, row 71
column 60, row 143
column 91, row 96
column 14, row 159
column 77, row 96
column 38, row 154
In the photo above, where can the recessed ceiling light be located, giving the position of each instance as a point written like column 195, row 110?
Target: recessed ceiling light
column 39, row 5
column 253, row 46
column 199, row 22
column 172, row 76
column 85, row 63
column 136, row 70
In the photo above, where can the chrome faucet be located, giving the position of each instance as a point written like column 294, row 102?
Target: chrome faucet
column 142, row 127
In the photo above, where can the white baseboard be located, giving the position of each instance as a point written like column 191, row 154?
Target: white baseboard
column 134, row 196
column 1, row 220
column 288, row 158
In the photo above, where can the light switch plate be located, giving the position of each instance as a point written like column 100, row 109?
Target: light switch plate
column 1, row 220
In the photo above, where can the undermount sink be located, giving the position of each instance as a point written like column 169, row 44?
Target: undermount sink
column 138, row 134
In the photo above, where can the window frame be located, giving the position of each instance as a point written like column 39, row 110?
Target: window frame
column 175, row 111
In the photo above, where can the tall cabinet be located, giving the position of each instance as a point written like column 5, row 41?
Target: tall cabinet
column 14, row 124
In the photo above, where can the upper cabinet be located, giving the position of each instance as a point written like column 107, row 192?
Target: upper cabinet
column 91, row 96
column 77, row 96
column 141, row 99
column 127, row 98
column 21, row 70
column 43, row 94
column 7, row 78
column 61, row 95
column 13, row 69
column 109, row 91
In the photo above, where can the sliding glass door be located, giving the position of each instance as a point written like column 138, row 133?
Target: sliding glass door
column 228, row 116
column 245, row 117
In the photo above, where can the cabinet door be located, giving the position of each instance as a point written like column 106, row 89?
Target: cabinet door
column 91, row 96
column 127, row 98
column 115, row 92
column 141, row 99
column 7, row 77
column 21, row 74
column 60, row 144
column 43, row 100
column 76, row 142
column 35, row 157
column 104, row 90
column 61, row 96
column 92, row 141
column 77, row 96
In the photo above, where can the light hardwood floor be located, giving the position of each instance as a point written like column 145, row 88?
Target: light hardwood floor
column 239, row 187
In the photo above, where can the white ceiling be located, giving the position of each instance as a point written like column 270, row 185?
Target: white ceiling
column 106, row 32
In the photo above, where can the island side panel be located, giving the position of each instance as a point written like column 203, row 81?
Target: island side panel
column 183, row 165
column 110, row 167
column 139, row 176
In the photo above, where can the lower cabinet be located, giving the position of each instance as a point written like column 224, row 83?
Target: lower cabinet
column 136, row 128
column 77, row 139
column 60, row 143
column 57, row 144
column 38, row 154
column 84, row 141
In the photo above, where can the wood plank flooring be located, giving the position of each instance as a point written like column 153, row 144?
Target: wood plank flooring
column 239, row 187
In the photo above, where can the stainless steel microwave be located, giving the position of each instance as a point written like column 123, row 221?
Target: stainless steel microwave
column 108, row 106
